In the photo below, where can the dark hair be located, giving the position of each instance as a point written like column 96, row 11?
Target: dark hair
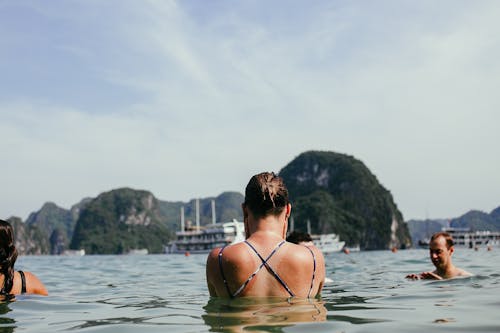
column 8, row 256
column 446, row 236
column 266, row 194
column 298, row 236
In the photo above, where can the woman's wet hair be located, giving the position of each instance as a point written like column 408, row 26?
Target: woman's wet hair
column 266, row 194
column 8, row 256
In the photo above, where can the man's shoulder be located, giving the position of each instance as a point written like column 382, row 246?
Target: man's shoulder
column 463, row 272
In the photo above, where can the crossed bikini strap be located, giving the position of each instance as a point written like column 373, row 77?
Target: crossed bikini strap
column 263, row 263
column 314, row 271
column 23, row 282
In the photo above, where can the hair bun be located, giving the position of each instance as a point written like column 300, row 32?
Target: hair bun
column 266, row 194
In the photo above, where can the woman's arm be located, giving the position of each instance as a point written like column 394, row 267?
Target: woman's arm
column 34, row 285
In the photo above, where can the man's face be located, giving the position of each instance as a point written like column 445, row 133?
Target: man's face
column 440, row 255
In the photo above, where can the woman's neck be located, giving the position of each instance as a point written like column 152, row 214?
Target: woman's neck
column 268, row 226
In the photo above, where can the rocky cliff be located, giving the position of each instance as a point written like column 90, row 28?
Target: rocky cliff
column 119, row 221
column 338, row 193
column 29, row 239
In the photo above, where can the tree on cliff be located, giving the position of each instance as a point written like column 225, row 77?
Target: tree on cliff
column 338, row 193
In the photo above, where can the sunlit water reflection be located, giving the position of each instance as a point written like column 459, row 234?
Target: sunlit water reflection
column 159, row 293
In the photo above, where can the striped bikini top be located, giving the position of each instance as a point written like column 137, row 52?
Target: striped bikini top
column 23, row 285
column 23, row 282
column 264, row 262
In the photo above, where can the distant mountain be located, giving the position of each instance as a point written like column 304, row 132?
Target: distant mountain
column 227, row 208
column 422, row 230
column 495, row 214
column 29, row 239
column 56, row 223
column 51, row 217
column 119, row 221
column 50, row 230
column 477, row 221
column 474, row 220
column 338, row 193
column 335, row 192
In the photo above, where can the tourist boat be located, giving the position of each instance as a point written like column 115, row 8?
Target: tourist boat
column 464, row 237
column 204, row 239
column 328, row 243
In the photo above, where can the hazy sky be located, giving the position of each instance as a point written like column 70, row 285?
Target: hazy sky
column 191, row 98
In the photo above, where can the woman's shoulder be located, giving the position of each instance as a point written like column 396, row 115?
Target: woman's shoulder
column 233, row 252
column 305, row 251
column 32, row 283
column 303, row 256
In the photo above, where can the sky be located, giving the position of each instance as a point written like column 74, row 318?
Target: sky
column 191, row 98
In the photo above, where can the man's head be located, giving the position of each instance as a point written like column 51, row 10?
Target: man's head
column 298, row 237
column 440, row 250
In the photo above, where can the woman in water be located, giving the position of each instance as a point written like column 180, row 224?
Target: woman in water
column 265, row 264
column 14, row 282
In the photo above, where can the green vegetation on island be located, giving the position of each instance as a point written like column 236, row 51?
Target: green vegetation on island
column 338, row 194
column 335, row 193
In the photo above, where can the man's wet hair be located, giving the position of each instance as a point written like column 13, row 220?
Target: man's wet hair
column 298, row 236
column 446, row 236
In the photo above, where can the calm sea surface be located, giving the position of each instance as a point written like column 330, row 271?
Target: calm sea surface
column 167, row 293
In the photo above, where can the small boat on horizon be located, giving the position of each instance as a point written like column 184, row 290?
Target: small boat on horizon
column 80, row 252
column 138, row 252
column 328, row 243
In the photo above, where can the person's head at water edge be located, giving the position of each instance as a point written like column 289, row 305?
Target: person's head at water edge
column 441, row 249
column 8, row 256
column 14, row 282
column 266, row 199
column 265, row 264
column 299, row 237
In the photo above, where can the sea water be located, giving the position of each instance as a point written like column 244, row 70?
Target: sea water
column 167, row 293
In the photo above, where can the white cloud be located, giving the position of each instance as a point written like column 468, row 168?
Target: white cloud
column 190, row 99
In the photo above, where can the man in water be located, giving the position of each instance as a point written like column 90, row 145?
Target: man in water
column 441, row 249
column 301, row 238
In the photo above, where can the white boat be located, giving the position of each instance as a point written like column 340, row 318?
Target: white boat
column 138, row 252
column 80, row 252
column 204, row 239
column 328, row 243
column 464, row 237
